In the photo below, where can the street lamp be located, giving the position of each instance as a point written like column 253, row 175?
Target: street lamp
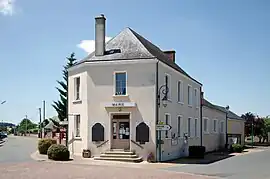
column 162, row 90
column 3, row 102
column 227, row 110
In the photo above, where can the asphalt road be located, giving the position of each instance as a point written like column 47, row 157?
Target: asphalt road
column 250, row 166
column 17, row 149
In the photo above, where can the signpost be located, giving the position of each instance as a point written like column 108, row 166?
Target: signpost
column 161, row 127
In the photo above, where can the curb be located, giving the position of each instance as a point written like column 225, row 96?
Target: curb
column 35, row 156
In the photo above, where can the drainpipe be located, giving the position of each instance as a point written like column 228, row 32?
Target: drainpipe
column 157, row 109
column 201, row 99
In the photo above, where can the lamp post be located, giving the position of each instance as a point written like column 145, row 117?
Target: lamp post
column 162, row 90
column 227, row 110
column 3, row 102
column 252, row 132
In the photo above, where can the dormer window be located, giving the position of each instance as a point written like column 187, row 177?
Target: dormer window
column 120, row 83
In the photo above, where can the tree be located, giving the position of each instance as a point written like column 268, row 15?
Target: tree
column 61, row 105
column 250, row 118
column 25, row 125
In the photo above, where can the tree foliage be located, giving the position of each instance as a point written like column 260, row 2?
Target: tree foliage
column 61, row 105
column 25, row 125
column 261, row 126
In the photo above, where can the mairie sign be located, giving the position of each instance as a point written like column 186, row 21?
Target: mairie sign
column 163, row 127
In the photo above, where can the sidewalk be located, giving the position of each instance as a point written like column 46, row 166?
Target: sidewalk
column 77, row 160
column 214, row 157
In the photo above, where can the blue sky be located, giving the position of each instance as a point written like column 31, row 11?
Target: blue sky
column 223, row 44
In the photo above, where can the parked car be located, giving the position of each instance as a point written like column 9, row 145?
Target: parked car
column 3, row 135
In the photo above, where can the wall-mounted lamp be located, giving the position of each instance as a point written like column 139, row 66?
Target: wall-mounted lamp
column 164, row 90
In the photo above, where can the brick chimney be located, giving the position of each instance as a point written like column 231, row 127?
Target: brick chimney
column 100, row 35
column 202, row 98
column 170, row 54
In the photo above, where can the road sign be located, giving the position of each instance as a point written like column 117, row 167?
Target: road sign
column 163, row 127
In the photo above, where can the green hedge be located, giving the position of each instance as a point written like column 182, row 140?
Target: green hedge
column 237, row 148
column 196, row 151
column 58, row 152
column 44, row 144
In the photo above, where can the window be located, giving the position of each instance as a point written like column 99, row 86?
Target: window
column 120, row 83
column 180, row 91
column 167, row 121
column 179, row 126
column 195, row 127
column 215, row 126
column 196, row 97
column 189, row 95
column 205, row 123
column 77, row 125
column 189, row 127
column 168, row 84
column 77, row 88
column 222, row 127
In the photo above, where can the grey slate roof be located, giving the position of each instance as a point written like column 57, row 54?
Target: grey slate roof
column 231, row 114
column 129, row 45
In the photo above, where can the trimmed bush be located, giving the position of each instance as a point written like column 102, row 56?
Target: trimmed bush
column 58, row 152
column 44, row 144
column 196, row 151
column 237, row 148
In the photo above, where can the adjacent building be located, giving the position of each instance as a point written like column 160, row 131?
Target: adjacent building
column 122, row 91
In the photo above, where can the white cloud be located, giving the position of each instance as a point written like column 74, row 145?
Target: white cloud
column 89, row 45
column 7, row 7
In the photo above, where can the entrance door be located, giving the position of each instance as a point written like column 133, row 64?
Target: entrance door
column 120, row 132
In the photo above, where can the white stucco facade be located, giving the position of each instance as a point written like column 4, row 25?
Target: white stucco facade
column 177, row 147
column 97, row 90
column 214, row 137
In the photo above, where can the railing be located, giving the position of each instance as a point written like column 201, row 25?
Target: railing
column 102, row 143
column 137, row 144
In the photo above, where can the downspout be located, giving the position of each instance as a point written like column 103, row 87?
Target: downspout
column 201, row 100
column 157, row 109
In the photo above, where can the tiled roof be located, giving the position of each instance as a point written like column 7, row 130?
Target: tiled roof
column 231, row 114
column 128, row 45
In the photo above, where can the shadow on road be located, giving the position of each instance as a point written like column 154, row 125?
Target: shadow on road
column 208, row 159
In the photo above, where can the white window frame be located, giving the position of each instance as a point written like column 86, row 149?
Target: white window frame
column 169, row 96
column 189, row 95
column 222, row 127
column 189, row 122
column 167, row 134
column 114, row 82
column 215, row 125
column 207, row 125
column 77, row 129
column 197, row 97
column 77, row 92
column 179, row 125
column 195, row 127
column 180, row 92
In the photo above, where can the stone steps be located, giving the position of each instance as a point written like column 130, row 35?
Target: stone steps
column 119, row 155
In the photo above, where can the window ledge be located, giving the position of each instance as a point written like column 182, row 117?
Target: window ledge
column 126, row 95
column 77, row 138
column 190, row 105
column 77, row 101
column 179, row 102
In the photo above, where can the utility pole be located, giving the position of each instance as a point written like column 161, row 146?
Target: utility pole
column 26, row 121
column 44, row 113
column 40, row 128
column 252, row 133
